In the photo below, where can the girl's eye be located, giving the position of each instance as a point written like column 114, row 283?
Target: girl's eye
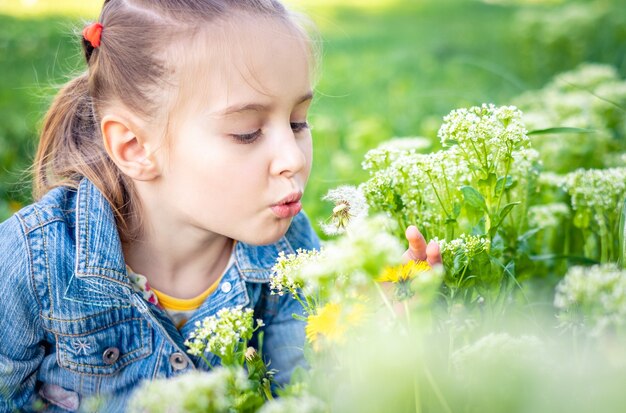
column 299, row 126
column 247, row 137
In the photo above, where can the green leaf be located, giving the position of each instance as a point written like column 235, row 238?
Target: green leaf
column 528, row 234
column 456, row 210
column 298, row 317
column 558, row 130
column 473, row 198
column 506, row 210
column 479, row 228
column 582, row 218
column 499, row 218
column 450, row 142
column 506, row 182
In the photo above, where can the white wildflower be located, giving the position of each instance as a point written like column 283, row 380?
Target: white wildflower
column 587, row 76
column 483, row 131
column 346, row 264
column 597, row 195
column 467, row 245
column 222, row 334
column 588, row 98
column 287, row 273
column 594, row 297
column 551, row 180
column 179, row 393
column 494, row 349
column 301, row 404
column 548, row 215
column 596, row 188
column 387, row 152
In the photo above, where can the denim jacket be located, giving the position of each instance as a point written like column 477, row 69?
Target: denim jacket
column 73, row 327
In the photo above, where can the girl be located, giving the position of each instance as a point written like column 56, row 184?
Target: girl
column 168, row 179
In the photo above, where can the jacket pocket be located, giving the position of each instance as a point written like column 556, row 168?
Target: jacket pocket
column 106, row 350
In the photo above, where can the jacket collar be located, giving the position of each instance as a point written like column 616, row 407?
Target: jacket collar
column 255, row 262
column 98, row 246
column 100, row 272
column 99, row 249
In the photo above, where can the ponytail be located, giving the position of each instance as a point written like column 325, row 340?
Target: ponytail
column 71, row 148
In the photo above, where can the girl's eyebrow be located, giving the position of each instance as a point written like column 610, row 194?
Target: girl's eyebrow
column 257, row 107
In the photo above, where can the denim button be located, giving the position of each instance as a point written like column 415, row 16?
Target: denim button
column 111, row 355
column 178, row 361
column 226, row 287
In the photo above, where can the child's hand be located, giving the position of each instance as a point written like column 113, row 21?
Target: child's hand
column 419, row 250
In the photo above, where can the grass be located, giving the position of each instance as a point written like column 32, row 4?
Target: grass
column 389, row 68
column 46, row 8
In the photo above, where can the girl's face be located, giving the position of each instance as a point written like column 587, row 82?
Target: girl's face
column 240, row 146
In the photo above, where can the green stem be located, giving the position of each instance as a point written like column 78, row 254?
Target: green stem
column 267, row 393
column 469, row 159
column 437, row 195
column 306, row 307
column 458, row 284
column 484, row 163
column 445, row 182
column 203, row 357
column 604, row 254
column 604, row 242
column 437, row 391
column 450, row 230
column 385, row 300
column 506, row 173
column 407, row 312
column 416, row 395
column 450, row 347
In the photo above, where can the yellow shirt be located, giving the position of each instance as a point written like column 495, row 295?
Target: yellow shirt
column 181, row 309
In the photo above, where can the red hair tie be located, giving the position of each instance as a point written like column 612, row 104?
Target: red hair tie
column 92, row 34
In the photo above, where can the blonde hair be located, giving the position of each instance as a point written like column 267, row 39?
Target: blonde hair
column 128, row 68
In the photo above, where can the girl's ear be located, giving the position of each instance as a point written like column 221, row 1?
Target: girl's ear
column 128, row 150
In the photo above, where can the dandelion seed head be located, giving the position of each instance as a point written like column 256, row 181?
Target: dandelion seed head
column 350, row 207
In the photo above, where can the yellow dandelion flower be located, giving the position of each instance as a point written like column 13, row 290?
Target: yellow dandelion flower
column 331, row 322
column 404, row 272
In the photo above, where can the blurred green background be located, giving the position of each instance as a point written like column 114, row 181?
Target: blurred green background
column 390, row 68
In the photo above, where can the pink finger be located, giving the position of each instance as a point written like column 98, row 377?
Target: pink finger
column 433, row 253
column 417, row 243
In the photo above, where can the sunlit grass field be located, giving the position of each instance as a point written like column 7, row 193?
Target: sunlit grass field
column 389, row 68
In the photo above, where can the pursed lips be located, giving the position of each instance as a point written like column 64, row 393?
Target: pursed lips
column 289, row 206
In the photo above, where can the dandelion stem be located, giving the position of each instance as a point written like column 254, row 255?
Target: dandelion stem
column 407, row 312
column 385, row 300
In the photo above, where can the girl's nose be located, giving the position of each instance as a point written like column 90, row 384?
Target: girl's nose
column 289, row 156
